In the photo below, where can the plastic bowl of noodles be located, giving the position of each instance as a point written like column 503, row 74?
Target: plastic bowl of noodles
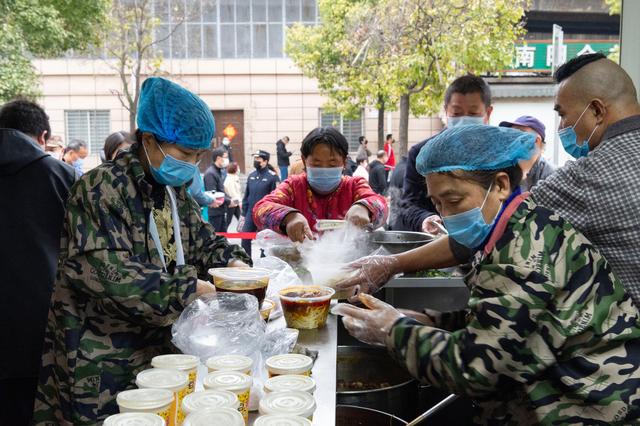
column 266, row 307
column 306, row 306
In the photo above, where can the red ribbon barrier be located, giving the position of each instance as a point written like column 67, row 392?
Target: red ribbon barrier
column 238, row 235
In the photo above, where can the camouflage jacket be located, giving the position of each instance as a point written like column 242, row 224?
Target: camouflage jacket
column 113, row 306
column 551, row 335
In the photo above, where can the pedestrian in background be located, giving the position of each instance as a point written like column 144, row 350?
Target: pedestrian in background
column 233, row 189
column 114, row 143
column 283, row 157
column 74, row 155
column 377, row 173
column 214, row 181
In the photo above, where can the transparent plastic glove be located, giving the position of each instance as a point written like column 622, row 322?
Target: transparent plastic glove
column 368, row 274
column 370, row 325
column 298, row 228
column 358, row 215
column 433, row 225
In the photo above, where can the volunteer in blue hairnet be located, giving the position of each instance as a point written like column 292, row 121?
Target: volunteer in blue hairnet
column 135, row 252
column 545, row 310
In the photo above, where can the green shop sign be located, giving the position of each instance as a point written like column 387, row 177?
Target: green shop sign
column 536, row 56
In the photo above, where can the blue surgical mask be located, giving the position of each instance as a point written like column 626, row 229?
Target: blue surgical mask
column 324, row 179
column 78, row 163
column 172, row 172
column 465, row 120
column 469, row 228
column 569, row 139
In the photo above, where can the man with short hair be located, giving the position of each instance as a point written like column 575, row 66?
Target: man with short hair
column 377, row 174
column 284, row 159
column 260, row 183
column 33, row 190
column 214, row 181
column 75, row 153
column 537, row 168
column 467, row 100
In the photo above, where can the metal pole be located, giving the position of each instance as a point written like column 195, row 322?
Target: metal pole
column 557, row 37
column 629, row 38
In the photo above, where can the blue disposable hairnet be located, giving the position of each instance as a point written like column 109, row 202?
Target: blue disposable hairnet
column 475, row 147
column 174, row 114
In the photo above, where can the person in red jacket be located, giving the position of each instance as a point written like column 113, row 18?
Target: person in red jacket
column 322, row 192
column 388, row 148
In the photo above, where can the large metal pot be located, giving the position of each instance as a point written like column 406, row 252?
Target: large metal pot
column 399, row 241
column 348, row 415
column 387, row 386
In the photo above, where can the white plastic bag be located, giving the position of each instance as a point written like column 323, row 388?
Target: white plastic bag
column 282, row 276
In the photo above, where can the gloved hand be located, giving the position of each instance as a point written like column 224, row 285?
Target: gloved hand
column 370, row 325
column 433, row 225
column 358, row 215
column 368, row 274
column 298, row 228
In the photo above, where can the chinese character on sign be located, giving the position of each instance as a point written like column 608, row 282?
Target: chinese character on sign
column 586, row 50
column 563, row 54
column 525, row 56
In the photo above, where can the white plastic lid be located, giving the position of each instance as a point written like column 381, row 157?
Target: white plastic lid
column 290, row 382
column 144, row 399
column 161, row 378
column 296, row 403
column 177, row 361
column 215, row 417
column 230, row 363
column 281, row 420
column 240, row 273
column 209, row 399
column 289, row 364
column 134, row 419
column 228, row 380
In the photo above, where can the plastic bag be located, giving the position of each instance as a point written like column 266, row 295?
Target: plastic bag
column 280, row 246
column 282, row 276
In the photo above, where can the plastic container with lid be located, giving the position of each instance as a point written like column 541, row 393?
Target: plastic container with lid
column 173, row 380
column 209, row 399
column 291, row 403
column 186, row 363
column 134, row 419
column 289, row 382
column 153, row 401
column 253, row 281
column 215, row 417
column 239, row 363
column 289, row 364
column 233, row 381
column 306, row 306
column 281, row 420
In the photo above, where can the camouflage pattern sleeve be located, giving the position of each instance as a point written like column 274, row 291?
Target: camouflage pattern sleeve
column 375, row 203
column 104, row 265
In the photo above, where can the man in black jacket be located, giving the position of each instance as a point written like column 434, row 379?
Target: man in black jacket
column 377, row 173
column 466, row 101
column 33, row 190
column 213, row 181
column 283, row 157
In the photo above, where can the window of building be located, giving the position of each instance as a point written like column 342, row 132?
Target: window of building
column 92, row 126
column 228, row 28
column 352, row 129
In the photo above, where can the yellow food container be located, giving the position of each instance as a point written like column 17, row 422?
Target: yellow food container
column 172, row 380
column 238, row 383
column 238, row 363
column 306, row 307
column 185, row 363
column 134, row 419
column 289, row 382
column 289, row 364
column 281, row 420
column 198, row 401
column 150, row 401
column 290, row 403
column 214, row 417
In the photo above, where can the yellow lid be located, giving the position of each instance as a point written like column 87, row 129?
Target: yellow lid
column 281, row 420
column 144, row 399
column 209, row 399
column 161, row 378
column 230, row 363
column 289, row 382
column 215, row 417
column 176, row 361
column 134, row 419
column 296, row 403
column 228, row 380
column 289, row 364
